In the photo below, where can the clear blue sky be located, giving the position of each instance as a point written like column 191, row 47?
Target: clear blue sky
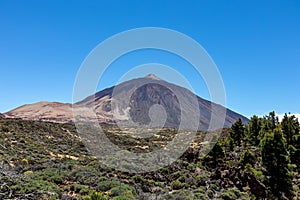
column 255, row 44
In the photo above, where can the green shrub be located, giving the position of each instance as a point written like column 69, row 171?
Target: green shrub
column 84, row 191
column 107, row 185
column 159, row 184
column 200, row 196
column 247, row 158
column 36, row 185
column 210, row 194
column 228, row 195
column 121, row 198
column 5, row 129
column 200, row 177
column 139, row 179
column 234, row 193
column 214, row 187
column 182, row 179
column 56, row 179
column 95, row 196
column 123, row 190
column 180, row 195
column 76, row 188
column 176, row 185
column 200, row 190
column 191, row 167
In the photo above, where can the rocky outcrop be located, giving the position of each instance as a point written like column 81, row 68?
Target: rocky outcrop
column 256, row 187
column 236, row 177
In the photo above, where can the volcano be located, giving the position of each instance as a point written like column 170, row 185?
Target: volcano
column 141, row 101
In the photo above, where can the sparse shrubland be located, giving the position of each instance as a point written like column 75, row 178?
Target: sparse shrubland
column 43, row 160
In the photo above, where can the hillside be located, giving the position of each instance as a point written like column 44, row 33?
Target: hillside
column 113, row 105
column 45, row 160
column 45, row 111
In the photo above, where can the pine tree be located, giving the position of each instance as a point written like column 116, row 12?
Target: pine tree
column 290, row 128
column 273, row 120
column 237, row 132
column 254, row 128
column 268, row 123
column 275, row 159
column 217, row 152
column 247, row 157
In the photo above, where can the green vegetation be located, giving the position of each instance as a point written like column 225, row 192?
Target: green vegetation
column 43, row 160
column 275, row 158
column 248, row 158
column 254, row 128
column 237, row 132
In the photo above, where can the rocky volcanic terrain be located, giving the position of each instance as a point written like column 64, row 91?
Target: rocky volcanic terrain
column 45, row 111
column 113, row 104
column 256, row 159
column 45, row 160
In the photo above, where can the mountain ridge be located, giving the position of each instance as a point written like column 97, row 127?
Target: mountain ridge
column 113, row 104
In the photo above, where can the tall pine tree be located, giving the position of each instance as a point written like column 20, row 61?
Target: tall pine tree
column 254, row 128
column 290, row 128
column 237, row 132
column 275, row 159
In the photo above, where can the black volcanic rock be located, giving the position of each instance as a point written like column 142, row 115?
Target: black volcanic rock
column 1, row 116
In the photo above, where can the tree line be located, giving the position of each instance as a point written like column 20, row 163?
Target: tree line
column 279, row 147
